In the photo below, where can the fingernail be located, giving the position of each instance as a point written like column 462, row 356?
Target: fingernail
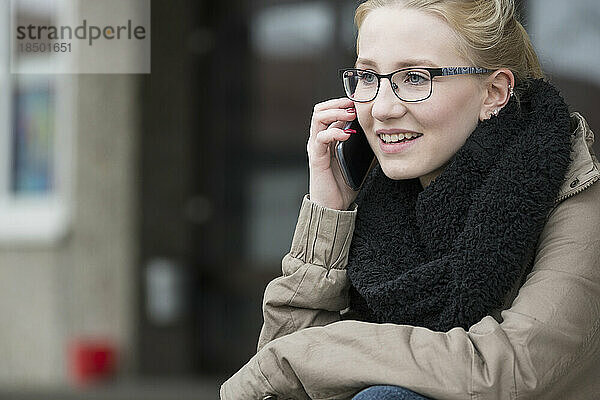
column 351, row 110
column 349, row 131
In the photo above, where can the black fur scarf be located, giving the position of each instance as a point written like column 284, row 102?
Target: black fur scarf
column 445, row 256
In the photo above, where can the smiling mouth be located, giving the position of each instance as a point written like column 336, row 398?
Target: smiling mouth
column 399, row 137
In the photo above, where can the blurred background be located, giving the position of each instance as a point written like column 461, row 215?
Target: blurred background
column 141, row 216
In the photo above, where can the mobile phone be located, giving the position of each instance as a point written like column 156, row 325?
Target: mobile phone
column 355, row 156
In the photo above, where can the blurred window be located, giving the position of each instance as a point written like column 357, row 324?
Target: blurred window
column 567, row 37
column 296, row 48
column 35, row 135
column 292, row 31
column 273, row 213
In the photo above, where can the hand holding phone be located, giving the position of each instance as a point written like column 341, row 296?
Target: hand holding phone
column 327, row 184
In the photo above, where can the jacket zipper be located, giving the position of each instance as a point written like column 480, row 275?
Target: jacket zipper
column 579, row 189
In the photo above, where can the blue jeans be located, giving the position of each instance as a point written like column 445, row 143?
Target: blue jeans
column 385, row 392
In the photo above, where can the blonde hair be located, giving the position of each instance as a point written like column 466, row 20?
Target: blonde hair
column 490, row 34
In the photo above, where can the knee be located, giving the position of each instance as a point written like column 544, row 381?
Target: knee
column 387, row 392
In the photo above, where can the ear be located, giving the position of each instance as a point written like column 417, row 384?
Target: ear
column 498, row 89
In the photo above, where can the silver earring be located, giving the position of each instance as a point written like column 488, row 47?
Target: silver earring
column 495, row 112
column 510, row 89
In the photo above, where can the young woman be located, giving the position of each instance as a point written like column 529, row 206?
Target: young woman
column 468, row 265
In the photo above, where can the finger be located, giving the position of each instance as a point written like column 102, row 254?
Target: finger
column 338, row 124
column 323, row 119
column 325, row 138
column 341, row 102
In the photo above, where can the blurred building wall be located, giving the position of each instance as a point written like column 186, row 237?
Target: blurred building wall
column 84, row 285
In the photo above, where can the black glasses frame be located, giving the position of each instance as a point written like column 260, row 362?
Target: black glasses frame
column 433, row 72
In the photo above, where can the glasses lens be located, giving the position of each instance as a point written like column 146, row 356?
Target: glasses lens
column 360, row 85
column 412, row 84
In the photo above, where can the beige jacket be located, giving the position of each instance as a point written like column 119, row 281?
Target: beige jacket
column 545, row 345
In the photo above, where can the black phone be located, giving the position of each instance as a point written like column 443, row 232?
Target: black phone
column 355, row 156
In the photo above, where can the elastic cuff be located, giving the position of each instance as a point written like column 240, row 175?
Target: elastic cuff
column 323, row 235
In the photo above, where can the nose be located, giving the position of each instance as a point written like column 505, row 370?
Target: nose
column 386, row 104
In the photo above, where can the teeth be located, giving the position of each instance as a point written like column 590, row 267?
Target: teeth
column 397, row 137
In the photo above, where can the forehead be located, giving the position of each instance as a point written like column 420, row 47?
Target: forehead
column 391, row 36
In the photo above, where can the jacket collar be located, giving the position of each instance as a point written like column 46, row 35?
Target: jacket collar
column 584, row 170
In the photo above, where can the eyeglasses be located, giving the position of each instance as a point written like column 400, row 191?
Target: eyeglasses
column 409, row 84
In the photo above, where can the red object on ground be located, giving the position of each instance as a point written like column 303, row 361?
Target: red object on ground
column 91, row 360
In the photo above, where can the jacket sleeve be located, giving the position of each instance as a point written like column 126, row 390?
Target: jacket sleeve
column 313, row 287
column 549, row 336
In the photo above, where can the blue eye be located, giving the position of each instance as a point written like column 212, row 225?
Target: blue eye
column 367, row 77
column 416, row 78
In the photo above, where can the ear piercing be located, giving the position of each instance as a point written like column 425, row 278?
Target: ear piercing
column 494, row 113
column 497, row 110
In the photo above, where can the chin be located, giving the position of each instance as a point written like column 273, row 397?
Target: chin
column 398, row 174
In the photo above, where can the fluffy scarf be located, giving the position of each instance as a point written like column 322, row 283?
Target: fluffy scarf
column 447, row 255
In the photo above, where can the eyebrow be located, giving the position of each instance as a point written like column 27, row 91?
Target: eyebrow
column 400, row 64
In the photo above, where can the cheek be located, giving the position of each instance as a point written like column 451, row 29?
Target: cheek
column 363, row 113
column 457, row 115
